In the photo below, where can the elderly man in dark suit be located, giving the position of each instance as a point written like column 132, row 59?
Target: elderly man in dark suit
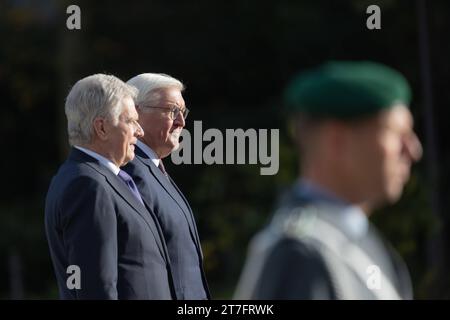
column 355, row 135
column 162, row 113
column 96, row 222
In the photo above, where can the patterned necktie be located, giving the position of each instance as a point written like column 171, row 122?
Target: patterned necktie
column 161, row 167
column 130, row 183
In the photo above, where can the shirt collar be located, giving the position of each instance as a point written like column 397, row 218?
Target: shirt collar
column 149, row 152
column 349, row 217
column 104, row 161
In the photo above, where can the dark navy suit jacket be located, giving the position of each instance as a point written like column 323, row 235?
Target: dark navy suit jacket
column 176, row 219
column 93, row 221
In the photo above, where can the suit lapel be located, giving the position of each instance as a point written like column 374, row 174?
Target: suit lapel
column 190, row 213
column 122, row 190
column 172, row 189
column 173, row 192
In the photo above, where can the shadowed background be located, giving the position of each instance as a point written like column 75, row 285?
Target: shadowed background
column 235, row 58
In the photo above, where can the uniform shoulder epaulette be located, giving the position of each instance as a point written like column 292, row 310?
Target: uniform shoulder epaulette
column 295, row 221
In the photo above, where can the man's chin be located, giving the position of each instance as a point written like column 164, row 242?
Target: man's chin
column 394, row 195
column 176, row 147
column 129, row 158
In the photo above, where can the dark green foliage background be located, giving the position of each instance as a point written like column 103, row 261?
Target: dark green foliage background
column 235, row 57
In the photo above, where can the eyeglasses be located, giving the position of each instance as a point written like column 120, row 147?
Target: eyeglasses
column 174, row 111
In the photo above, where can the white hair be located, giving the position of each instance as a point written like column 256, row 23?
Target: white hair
column 148, row 85
column 99, row 95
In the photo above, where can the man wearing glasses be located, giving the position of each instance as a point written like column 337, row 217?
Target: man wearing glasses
column 162, row 114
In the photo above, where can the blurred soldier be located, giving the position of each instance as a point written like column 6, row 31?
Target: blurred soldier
column 354, row 133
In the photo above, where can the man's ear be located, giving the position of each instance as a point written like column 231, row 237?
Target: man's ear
column 100, row 129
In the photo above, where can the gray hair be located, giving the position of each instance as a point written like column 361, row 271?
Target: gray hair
column 148, row 85
column 98, row 95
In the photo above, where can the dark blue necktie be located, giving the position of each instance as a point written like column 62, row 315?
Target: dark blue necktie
column 130, row 183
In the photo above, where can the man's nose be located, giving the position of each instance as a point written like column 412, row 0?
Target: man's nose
column 139, row 132
column 179, row 120
column 413, row 147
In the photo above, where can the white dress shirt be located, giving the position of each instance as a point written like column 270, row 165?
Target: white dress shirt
column 105, row 162
column 149, row 152
column 351, row 217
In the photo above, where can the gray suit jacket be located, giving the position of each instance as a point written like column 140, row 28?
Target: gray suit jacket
column 93, row 221
column 306, row 254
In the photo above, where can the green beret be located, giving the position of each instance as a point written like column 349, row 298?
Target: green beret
column 347, row 89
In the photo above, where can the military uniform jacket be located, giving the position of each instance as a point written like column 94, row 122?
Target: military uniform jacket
column 306, row 253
